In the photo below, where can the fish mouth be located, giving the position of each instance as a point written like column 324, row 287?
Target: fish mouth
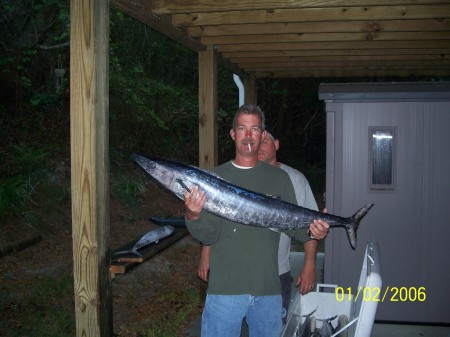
column 143, row 161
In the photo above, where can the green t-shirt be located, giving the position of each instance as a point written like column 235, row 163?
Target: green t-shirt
column 244, row 259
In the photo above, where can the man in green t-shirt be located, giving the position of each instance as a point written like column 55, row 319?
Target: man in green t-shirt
column 243, row 277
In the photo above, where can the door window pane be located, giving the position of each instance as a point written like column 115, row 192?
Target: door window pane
column 382, row 150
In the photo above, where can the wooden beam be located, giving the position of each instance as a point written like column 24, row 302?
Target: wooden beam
column 250, row 88
column 240, row 56
column 233, row 68
column 314, row 14
column 207, row 73
column 323, row 27
column 325, row 57
column 356, row 72
column 180, row 6
column 326, row 37
column 140, row 10
column 334, row 45
column 260, row 66
column 345, row 73
column 89, row 138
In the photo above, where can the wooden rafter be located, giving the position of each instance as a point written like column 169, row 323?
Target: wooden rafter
column 312, row 14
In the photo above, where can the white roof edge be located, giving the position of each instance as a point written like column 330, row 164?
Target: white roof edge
column 385, row 92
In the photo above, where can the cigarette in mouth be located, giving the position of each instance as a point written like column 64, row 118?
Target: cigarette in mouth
column 249, row 147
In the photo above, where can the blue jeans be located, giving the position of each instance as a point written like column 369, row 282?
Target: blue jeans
column 223, row 315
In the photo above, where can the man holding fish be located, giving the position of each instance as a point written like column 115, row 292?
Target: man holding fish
column 243, row 280
column 305, row 198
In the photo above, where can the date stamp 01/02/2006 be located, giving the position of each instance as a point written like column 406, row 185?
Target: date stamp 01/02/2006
column 376, row 294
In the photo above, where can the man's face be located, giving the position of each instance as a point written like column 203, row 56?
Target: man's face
column 268, row 150
column 247, row 134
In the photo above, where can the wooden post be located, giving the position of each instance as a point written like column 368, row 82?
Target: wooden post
column 207, row 69
column 250, row 88
column 89, row 137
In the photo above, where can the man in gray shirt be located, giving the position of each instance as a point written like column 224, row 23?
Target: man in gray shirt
column 305, row 198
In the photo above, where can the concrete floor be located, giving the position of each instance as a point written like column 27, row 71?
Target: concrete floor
column 379, row 330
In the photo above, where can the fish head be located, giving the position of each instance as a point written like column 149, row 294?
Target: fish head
column 167, row 173
column 147, row 163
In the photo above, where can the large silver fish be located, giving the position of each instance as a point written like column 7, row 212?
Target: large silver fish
column 240, row 205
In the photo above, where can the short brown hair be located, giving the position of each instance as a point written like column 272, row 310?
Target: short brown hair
column 250, row 109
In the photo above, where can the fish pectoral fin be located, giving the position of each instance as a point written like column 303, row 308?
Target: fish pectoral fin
column 183, row 185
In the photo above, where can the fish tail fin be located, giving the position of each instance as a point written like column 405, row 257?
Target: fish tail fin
column 352, row 228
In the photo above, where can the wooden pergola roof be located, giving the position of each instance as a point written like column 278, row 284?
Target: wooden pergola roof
column 309, row 38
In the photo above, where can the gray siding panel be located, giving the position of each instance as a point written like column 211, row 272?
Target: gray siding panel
column 437, row 224
column 411, row 223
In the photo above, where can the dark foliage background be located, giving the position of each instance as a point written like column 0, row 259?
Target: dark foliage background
column 153, row 99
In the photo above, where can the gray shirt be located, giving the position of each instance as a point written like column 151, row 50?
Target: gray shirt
column 305, row 198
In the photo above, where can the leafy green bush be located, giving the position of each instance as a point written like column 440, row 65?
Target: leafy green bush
column 128, row 189
column 21, row 170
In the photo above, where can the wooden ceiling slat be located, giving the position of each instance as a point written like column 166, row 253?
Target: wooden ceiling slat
column 183, row 6
column 314, row 14
column 276, row 62
column 344, row 73
column 258, row 66
column 323, row 27
column 440, row 52
column 337, row 45
column 325, row 37
column 379, row 66
column 242, row 61
column 363, row 72
column 353, row 68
